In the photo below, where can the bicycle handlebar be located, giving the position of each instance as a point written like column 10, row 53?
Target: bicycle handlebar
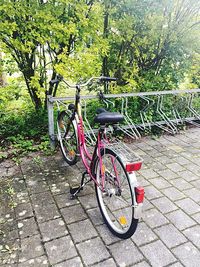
column 101, row 79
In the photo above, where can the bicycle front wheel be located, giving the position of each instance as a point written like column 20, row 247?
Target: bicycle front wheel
column 67, row 137
column 116, row 200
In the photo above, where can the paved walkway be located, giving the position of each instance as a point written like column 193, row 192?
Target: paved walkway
column 41, row 226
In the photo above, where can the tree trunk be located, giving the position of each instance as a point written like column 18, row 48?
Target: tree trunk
column 105, row 70
column 2, row 75
column 33, row 92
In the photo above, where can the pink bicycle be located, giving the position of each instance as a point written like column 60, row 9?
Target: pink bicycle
column 119, row 196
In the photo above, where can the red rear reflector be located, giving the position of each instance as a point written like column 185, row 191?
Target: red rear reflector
column 139, row 191
column 130, row 167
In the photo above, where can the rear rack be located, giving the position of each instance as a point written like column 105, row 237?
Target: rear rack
column 124, row 152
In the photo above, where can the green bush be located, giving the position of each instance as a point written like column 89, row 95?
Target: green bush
column 23, row 132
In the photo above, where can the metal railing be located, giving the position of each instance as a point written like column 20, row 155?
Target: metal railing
column 167, row 110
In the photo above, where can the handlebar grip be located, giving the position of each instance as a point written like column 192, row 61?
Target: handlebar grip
column 107, row 79
column 56, row 80
column 52, row 82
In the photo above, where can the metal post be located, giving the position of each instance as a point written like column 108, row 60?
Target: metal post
column 51, row 121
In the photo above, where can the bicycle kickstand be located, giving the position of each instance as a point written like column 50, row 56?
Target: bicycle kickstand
column 75, row 190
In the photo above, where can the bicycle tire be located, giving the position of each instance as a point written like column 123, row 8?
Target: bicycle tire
column 67, row 137
column 120, row 222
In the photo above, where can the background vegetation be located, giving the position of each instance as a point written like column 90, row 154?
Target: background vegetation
column 146, row 44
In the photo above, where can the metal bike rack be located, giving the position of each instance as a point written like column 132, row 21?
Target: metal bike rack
column 181, row 112
column 143, row 113
column 170, row 127
column 193, row 112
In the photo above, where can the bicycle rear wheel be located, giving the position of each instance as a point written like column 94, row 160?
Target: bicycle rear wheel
column 116, row 202
column 67, row 137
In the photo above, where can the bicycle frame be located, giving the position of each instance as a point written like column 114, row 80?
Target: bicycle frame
column 111, row 171
column 86, row 157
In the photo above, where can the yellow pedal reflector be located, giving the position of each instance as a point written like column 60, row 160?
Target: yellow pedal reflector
column 103, row 168
column 72, row 153
column 61, row 124
column 122, row 220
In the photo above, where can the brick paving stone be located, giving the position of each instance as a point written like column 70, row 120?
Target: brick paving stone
column 188, row 254
column 158, row 254
column 76, row 262
column 188, row 205
column 156, row 165
column 170, row 154
column 193, row 234
column 147, row 205
column 125, row 253
column 193, row 168
column 177, row 264
column 18, row 185
column 46, row 212
column 180, row 219
column 148, row 174
column 154, row 218
column 173, row 193
column 106, row 263
column 41, row 199
column 64, row 200
column 168, row 174
column 31, row 247
column 97, row 251
column 106, row 235
column 95, row 216
column 196, row 217
column 60, row 188
column 9, row 265
column 193, row 194
column 35, row 186
column 151, row 192
column 24, row 211
column 22, row 197
column 153, row 152
column 188, row 176
column 36, row 262
column 181, row 160
column 53, row 229
column 175, row 167
column 164, row 159
column 8, row 235
column 82, row 231
column 73, row 213
column 89, row 201
column 170, row 235
column 60, row 249
column 142, row 180
column 164, row 204
column 176, row 148
column 196, row 184
column 143, row 235
column 160, row 183
column 27, row 227
column 186, row 154
column 181, row 184
column 141, row 264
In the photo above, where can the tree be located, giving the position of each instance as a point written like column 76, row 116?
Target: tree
column 146, row 44
column 152, row 42
column 35, row 32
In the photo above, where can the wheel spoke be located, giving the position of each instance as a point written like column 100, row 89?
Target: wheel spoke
column 68, row 140
column 116, row 202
